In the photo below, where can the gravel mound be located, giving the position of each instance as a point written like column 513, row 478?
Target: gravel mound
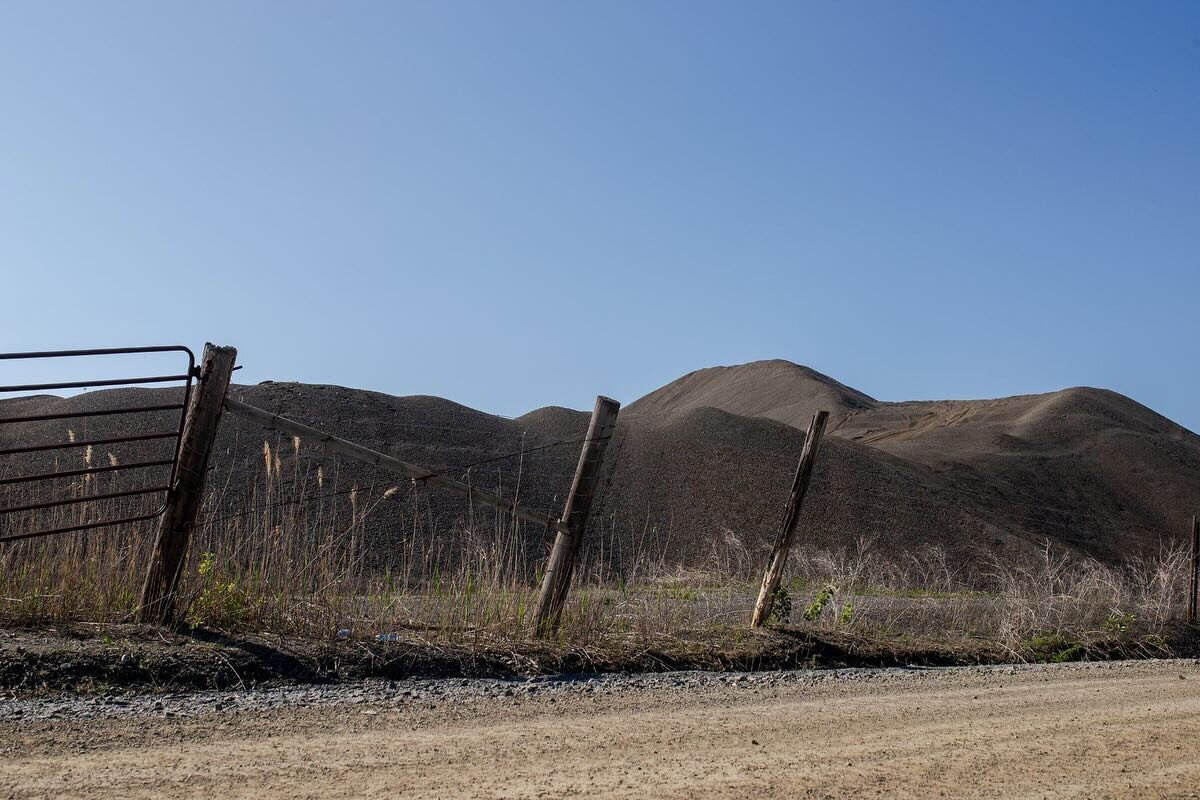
column 698, row 472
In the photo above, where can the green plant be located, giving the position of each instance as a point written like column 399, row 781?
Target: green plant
column 682, row 593
column 818, row 604
column 218, row 602
column 781, row 609
column 847, row 615
column 1118, row 623
column 1155, row 645
column 1052, row 648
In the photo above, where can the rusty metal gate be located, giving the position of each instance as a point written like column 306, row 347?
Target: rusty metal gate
column 35, row 500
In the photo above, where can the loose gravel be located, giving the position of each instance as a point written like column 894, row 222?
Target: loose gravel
column 429, row 693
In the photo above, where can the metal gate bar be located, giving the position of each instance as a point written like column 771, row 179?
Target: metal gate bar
column 104, row 413
column 75, row 473
column 16, row 537
column 37, row 387
column 87, row 498
column 41, row 448
column 184, row 378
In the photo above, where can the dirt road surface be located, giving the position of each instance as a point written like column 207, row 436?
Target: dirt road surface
column 1095, row 731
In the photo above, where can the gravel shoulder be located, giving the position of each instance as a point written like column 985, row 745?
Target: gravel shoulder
column 1114, row 729
column 110, row 660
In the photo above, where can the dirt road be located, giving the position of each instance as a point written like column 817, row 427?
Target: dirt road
column 1107, row 730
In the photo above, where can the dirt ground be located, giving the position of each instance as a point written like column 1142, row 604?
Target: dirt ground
column 1124, row 729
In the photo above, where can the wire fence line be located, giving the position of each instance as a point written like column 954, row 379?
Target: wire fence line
column 466, row 468
column 208, row 518
column 883, row 502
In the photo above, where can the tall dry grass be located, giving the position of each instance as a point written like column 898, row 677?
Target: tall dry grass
column 298, row 555
column 1058, row 597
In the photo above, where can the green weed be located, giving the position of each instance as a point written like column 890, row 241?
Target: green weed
column 219, row 603
column 1052, row 648
column 813, row 612
column 781, row 609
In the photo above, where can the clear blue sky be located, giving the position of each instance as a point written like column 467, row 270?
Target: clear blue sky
column 522, row 204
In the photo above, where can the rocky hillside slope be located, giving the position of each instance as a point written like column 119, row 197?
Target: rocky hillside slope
column 699, row 469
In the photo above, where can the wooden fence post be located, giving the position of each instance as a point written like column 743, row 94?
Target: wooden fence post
column 1195, row 577
column 791, row 515
column 575, row 514
column 183, row 501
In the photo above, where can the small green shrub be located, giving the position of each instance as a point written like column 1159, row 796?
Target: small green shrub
column 1118, row 623
column 818, row 604
column 781, row 608
column 847, row 615
column 218, row 603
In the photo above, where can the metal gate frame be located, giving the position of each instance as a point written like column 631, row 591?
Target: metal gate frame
column 186, row 378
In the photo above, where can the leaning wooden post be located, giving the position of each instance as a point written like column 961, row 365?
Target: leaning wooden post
column 183, row 501
column 1191, row 612
column 575, row 514
column 791, row 515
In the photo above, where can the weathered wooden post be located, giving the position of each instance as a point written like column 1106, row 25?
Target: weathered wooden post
column 791, row 515
column 575, row 514
column 1195, row 576
column 183, row 500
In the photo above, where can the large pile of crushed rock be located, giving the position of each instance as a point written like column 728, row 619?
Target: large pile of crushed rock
column 698, row 472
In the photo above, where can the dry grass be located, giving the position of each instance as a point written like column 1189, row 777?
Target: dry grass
column 1058, row 604
column 299, row 564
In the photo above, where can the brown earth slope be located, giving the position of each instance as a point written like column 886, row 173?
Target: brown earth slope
column 1084, row 467
column 699, row 469
column 778, row 390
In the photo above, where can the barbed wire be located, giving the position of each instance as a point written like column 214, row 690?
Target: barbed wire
column 386, row 423
column 785, row 472
column 773, row 464
column 462, row 466
column 259, row 508
column 526, row 451
column 883, row 503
